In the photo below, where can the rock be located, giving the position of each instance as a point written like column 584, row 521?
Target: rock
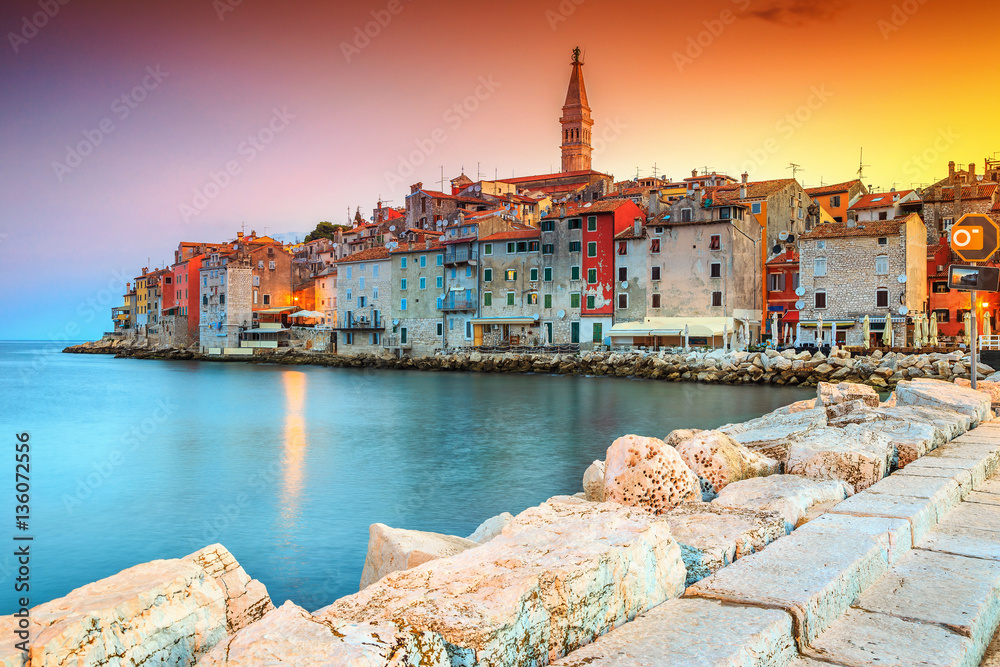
column 290, row 635
column 797, row 498
column 780, row 364
column 161, row 612
column 560, row 575
column 593, row 482
column 828, row 394
column 824, row 369
column 951, row 424
column 719, row 460
column 680, row 435
column 648, row 473
column 910, row 439
column 940, row 394
column 713, row 536
column 853, row 454
column 490, row 528
column 798, row 406
column 991, row 389
column 391, row 549
column 772, row 434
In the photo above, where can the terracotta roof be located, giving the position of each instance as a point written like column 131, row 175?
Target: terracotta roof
column 586, row 208
column 629, row 233
column 564, row 174
column 512, row 235
column 996, row 207
column 441, row 195
column 832, row 230
column 755, row 190
column 832, row 189
column 982, row 191
column 366, row 255
column 878, row 199
column 782, row 258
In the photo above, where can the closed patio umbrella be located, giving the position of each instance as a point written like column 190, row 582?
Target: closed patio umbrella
column 866, row 330
column 933, row 331
column 887, row 332
column 725, row 335
column 918, row 331
column 968, row 328
column 987, row 325
column 686, row 337
column 819, row 331
column 774, row 330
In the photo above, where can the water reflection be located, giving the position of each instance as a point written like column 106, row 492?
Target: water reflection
column 295, row 444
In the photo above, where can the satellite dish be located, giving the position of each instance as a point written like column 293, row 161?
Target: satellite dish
column 800, row 291
column 535, row 316
column 394, row 245
column 388, row 246
column 395, row 323
column 392, row 228
column 624, row 284
column 800, row 304
column 783, row 236
column 903, row 310
column 902, row 279
column 334, row 245
column 776, row 249
column 587, row 205
column 791, row 238
column 561, row 314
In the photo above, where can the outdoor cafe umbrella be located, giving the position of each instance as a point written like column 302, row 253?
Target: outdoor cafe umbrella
column 866, row 330
column 725, row 335
column 887, row 332
column 774, row 329
column 788, row 334
column 819, row 331
column 933, row 332
column 987, row 325
column 968, row 328
column 686, row 337
column 918, row 331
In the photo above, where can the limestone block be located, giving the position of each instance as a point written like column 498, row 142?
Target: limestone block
column 857, row 456
column 392, row 549
column 951, row 424
column 828, row 394
column 687, row 632
column 718, row 460
column 593, row 482
column 940, row 394
column 792, row 496
column 290, row 635
column 771, row 434
column 490, row 528
column 713, row 536
column 910, row 439
column 558, row 576
column 991, row 389
column 648, row 473
column 798, row 406
column 246, row 599
column 969, row 530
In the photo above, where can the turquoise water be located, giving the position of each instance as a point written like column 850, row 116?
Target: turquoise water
column 287, row 467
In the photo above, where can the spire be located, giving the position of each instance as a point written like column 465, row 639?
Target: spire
column 576, row 122
column 576, row 95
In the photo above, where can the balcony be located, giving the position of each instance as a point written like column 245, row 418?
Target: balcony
column 458, row 303
column 461, row 256
column 362, row 323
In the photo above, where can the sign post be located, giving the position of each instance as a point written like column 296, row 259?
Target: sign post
column 975, row 238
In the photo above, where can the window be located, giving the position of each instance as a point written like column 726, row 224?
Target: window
column 439, row 282
column 715, row 242
column 423, row 261
column 361, row 282
column 591, row 302
column 574, row 300
column 451, row 324
column 882, row 265
column 487, row 298
column 439, row 261
column 574, row 332
column 592, row 223
column 510, row 298
column 819, row 266
column 883, row 240
column 468, row 330
column 574, row 273
column 487, row 275
column 374, row 292
column 511, row 248
column 533, row 275
column 260, row 264
column 488, row 249
column 402, row 304
column 547, row 274
column 755, row 208
column 510, row 275
column 883, row 215
column 532, row 246
column 725, row 213
column 946, row 224
column 349, row 297
column 402, row 283
column 423, row 283
column 440, row 329
column 685, row 215
column 270, row 265
column 623, row 247
column 204, row 299
column 716, row 299
column 532, row 298
column 453, row 273
column 598, row 332
column 654, row 273
column 941, row 287
column 654, row 246
column 574, row 223
column 361, row 301
column 439, row 302
column 715, row 269
column 881, row 298
column 819, row 299
column 622, row 301
column 574, row 246
column 522, row 246
column 468, row 272
column 622, row 273
column 795, row 280
column 776, row 282
column 591, row 276
column 267, row 299
column 548, row 225
column 348, row 272
column 402, row 263
column 656, row 300
column 592, row 249
column 835, row 201
column 256, row 281
column 548, row 249
column 942, row 314
column 547, row 301
column 204, row 280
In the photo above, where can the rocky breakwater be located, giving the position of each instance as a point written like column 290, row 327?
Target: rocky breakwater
column 131, row 348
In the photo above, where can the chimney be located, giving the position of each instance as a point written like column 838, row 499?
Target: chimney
column 416, row 186
column 239, row 236
column 637, row 226
column 743, row 191
column 951, row 171
column 654, row 202
column 745, row 177
column 694, row 173
column 972, row 172
column 427, row 243
column 562, row 210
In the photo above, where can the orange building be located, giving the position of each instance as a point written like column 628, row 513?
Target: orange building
column 836, row 199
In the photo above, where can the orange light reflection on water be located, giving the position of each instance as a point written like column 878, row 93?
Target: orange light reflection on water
column 295, row 444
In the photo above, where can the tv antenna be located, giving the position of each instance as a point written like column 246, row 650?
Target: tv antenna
column 655, row 170
column 796, row 168
column 442, row 178
column 862, row 165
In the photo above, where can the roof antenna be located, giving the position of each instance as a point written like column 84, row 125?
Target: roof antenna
column 796, row 168
column 862, row 165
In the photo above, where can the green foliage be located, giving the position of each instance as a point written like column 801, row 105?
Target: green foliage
column 324, row 230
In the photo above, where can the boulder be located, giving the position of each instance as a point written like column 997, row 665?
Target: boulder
column 910, row 439
column 940, row 394
column 844, row 398
column 798, row 499
column 951, row 424
column 772, row 434
column 853, row 454
column 161, row 612
column 290, row 635
column 593, row 482
column 991, row 389
column 718, row 460
column 648, row 473
column 560, row 575
column 391, row 549
column 490, row 528
column 713, row 536
column 793, row 408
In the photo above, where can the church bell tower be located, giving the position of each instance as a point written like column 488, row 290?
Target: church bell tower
column 576, row 122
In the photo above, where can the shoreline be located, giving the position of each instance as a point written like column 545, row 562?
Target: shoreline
column 805, row 369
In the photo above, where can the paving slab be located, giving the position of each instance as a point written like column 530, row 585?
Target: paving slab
column 977, row 466
column 971, row 529
column 990, row 486
column 816, row 572
column 992, row 657
column 984, row 498
column 956, row 592
column 920, row 513
column 962, row 476
column 861, row 638
column 691, row 632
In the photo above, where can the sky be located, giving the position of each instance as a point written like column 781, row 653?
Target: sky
column 126, row 127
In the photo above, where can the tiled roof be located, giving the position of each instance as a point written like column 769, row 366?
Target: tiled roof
column 366, row 255
column 586, row 208
column 541, row 177
column 441, row 195
column 996, row 207
column 832, row 230
column 783, row 258
column 629, row 233
column 982, row 191
column 755, row 190
column 832, row 189
column 879, row 199
column 513, row 235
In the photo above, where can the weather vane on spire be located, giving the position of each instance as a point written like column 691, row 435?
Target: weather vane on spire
column 576, row 54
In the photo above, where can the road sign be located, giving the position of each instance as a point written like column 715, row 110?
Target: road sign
column 975, row 237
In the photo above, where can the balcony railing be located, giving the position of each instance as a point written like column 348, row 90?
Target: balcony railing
column 460, row 255
column 367, row 323
column 458, row 303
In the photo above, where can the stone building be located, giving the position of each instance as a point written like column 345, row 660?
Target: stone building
column 416, row 286
column 853, row 269
column 884, row 205
column 577, row 125
column 326, row 294
column 225, row 290
column 511, row 303
column 944, row 205
column 364, row 306
column 430, row 209
column 631, row 272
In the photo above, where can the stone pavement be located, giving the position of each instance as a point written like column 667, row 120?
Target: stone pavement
column 904, row 573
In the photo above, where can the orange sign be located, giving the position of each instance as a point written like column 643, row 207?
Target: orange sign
column 975, row 237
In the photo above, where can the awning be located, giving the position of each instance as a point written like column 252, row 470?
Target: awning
column 170, row 309
column 504, row 320
column 827, row 323
column 791, row 317
column 275, row 311
column 698, row 327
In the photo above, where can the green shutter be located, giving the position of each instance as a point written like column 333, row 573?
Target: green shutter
column 548, row 300
column 510, row 298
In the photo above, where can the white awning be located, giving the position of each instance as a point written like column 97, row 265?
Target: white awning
column 504, row 320
column 698, row 327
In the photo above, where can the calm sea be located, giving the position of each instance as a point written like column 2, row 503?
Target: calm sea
column 287, row 467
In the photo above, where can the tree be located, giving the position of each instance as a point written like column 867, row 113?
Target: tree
column 324, row 230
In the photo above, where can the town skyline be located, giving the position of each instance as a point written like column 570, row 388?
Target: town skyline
column 164, row 117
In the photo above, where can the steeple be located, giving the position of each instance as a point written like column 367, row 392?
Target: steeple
column 576, row 121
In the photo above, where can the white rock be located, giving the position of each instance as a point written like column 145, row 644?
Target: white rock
column 853, row 454
column 940, row 394
column 648, row 473
column 593, row 482
column 772, row 434
column 911, row 439
column 796, row 498
column 246, row 599
column 490, row 528
column 719, row 460
column 798, row 406
column 392, row 549
column 559, row 575
column 828, row 394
